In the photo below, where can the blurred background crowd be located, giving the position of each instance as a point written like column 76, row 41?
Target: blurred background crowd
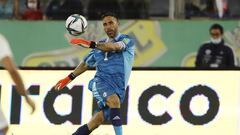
column 126, row 9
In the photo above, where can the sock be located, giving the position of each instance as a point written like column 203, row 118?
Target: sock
column 116, row 120
column 83, row 130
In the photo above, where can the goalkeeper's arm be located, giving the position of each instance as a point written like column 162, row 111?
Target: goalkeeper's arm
column 81, row 68
column 104, row 46
column 109, row 46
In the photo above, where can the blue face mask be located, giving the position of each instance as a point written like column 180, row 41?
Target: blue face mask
column 216, row 40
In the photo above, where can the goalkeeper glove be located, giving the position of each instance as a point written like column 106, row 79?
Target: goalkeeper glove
column 83, row 42
column 62, row 83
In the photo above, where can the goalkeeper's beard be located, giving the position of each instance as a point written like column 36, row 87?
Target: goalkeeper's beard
column 111, row 34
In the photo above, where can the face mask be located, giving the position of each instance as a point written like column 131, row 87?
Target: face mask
column 216, row 41
column 32, row 5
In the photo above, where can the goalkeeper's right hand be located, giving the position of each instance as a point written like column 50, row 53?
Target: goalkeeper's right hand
column 62, row 83
column 83, row 42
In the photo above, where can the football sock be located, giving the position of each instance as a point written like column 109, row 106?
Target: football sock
column 116, row 120
column 83, row 130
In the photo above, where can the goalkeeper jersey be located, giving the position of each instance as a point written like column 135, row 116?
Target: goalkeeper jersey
column 113, row 68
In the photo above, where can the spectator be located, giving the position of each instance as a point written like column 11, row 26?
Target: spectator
column 217, row 8
column 222, row 7
column 61, row 9
column 33, row 10
column 9, row 9
column 215, row 54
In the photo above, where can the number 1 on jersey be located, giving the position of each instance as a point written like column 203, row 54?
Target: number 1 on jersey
column 106, row 58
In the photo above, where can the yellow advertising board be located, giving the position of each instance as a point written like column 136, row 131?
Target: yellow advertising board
column 149, row 46
column 158, row 103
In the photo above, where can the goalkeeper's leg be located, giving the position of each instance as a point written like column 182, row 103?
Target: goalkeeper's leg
column 113, row 102
column 95, row 122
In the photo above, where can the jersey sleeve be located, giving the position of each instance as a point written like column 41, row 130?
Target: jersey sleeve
column 89, row 59
column 125, row 43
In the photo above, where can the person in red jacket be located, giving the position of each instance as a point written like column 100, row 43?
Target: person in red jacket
column 33, row 10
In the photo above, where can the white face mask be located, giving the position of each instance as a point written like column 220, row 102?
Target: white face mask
column 216, row 41
column 32, row 5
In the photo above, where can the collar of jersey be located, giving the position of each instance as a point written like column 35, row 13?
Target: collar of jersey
column 114, row 39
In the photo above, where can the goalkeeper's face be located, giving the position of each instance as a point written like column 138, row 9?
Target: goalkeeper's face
column 110, row 25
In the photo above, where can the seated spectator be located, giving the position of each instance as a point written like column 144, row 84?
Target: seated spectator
column 33, row 10
column 217, row 8
column 97, row 7
column 9, row 9
column 61, row 9
column 222, row 8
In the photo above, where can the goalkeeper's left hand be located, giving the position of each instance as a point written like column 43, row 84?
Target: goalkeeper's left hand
column 62, row 83
column 83, row 42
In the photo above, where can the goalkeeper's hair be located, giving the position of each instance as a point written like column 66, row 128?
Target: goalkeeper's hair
column 105, row 14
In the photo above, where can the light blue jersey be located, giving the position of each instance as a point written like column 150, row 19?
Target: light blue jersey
column 112, row 69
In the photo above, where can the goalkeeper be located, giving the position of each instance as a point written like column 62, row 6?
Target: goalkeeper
column 113, row 58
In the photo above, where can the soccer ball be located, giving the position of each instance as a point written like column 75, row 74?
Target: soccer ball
column 76, row 24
